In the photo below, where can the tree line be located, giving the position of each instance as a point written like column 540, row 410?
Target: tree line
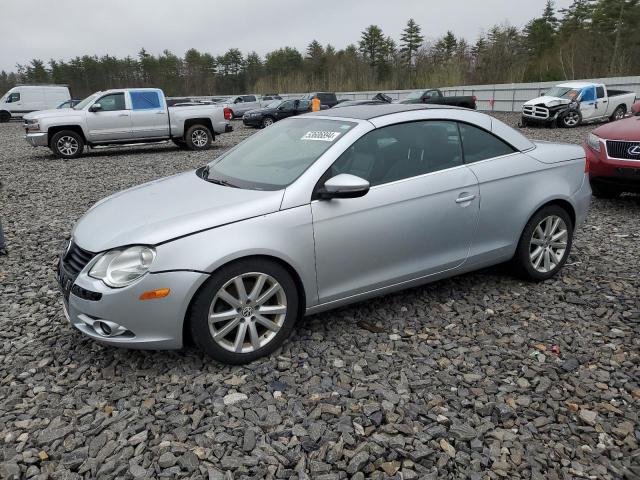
column 590, row 38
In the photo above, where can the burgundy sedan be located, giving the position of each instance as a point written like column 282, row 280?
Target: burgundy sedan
column 613, row 157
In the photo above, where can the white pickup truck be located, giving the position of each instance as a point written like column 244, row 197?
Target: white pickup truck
column 131, row 116
column 595, row 102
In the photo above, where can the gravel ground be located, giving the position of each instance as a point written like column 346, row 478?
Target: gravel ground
column 480, row 376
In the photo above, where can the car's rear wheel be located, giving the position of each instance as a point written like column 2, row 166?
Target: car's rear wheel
column 198, row 137
column 67, row 144
column 5, row 116
column 545, row 244
column 267, row 122
column 571, row 119
column 604, row 191
column 245, row 311
column 618, row 113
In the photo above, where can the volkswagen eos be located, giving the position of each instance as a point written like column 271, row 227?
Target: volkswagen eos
column 313, row 213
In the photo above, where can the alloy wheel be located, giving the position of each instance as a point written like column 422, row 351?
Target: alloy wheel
column 572, row 119
column 548, row 244
column 619, row 114
column 267, row 122
column 199, row 138
column 67, row 145
column 247, row 312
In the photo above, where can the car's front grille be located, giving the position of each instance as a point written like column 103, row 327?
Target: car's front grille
column 623, row 150
column 536, row 111
column 76, row 259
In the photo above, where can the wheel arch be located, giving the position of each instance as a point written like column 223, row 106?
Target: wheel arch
column 561, row 202
column 186, row 330
column 198, row 121
column 51, row 131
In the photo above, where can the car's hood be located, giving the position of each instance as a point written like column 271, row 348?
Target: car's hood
column 627, row 129
column 56, row 112
column 171, row 207
column 548, row 101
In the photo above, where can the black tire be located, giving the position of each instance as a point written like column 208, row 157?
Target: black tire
column 571, row 119
column 524, row 123
column 523, row 262
column 267, row 122
column 205, row 299
column 4, row 116
column 179, row 143
column 198, row 137
column 600, row 190
column 618, row 113
column 67, row 144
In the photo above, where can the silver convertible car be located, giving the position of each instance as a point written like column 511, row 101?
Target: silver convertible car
column 316, row 212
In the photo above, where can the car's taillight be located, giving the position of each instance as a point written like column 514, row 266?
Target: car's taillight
column 475, row 99
column 227, row 113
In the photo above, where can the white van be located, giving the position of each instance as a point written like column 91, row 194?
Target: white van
column 30, row 98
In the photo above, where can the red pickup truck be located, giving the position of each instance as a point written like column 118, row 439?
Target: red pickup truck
column 613, row 156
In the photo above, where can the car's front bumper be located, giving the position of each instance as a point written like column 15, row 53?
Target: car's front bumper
column 37, row 139
column 146, row 324
column 617, row 172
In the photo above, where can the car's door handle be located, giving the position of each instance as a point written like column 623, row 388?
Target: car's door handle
column 465, row 197
column 161, row 113
column 123, row 115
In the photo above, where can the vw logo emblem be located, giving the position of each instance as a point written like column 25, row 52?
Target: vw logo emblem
column 634, row 151
column 247, row 311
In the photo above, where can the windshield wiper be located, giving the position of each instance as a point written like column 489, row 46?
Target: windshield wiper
column 218, row 181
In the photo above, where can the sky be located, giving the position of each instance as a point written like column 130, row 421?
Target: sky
column 62, row 29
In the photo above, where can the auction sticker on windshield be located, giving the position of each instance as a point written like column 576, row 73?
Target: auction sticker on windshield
column 322, row 136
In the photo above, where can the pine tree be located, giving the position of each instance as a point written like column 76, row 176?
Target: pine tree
column 410, row 41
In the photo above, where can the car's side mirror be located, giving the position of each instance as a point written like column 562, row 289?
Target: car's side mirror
column 96, row 107
column 344, row 185
column 635, row 108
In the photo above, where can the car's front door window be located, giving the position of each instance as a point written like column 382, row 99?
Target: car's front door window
column 112, row 102
column 402, row 151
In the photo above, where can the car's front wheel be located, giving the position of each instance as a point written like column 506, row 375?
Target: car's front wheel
column 571, row 119
column 545, row 244
column 245, row 311
column 267, row 122
column 67, row 144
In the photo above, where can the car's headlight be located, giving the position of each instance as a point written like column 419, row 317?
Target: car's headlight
column 594, row 142
column 123, row 266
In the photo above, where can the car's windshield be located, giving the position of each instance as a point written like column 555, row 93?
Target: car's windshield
column 275, row 104
column 413, row 95
column 273, row 158
column 86, row 101
column 564, row 92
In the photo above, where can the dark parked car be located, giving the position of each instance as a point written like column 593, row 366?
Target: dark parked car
column 379, row 99
column 276, row 110
column 327, row 99
column 69, row 104
column 435, row 97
